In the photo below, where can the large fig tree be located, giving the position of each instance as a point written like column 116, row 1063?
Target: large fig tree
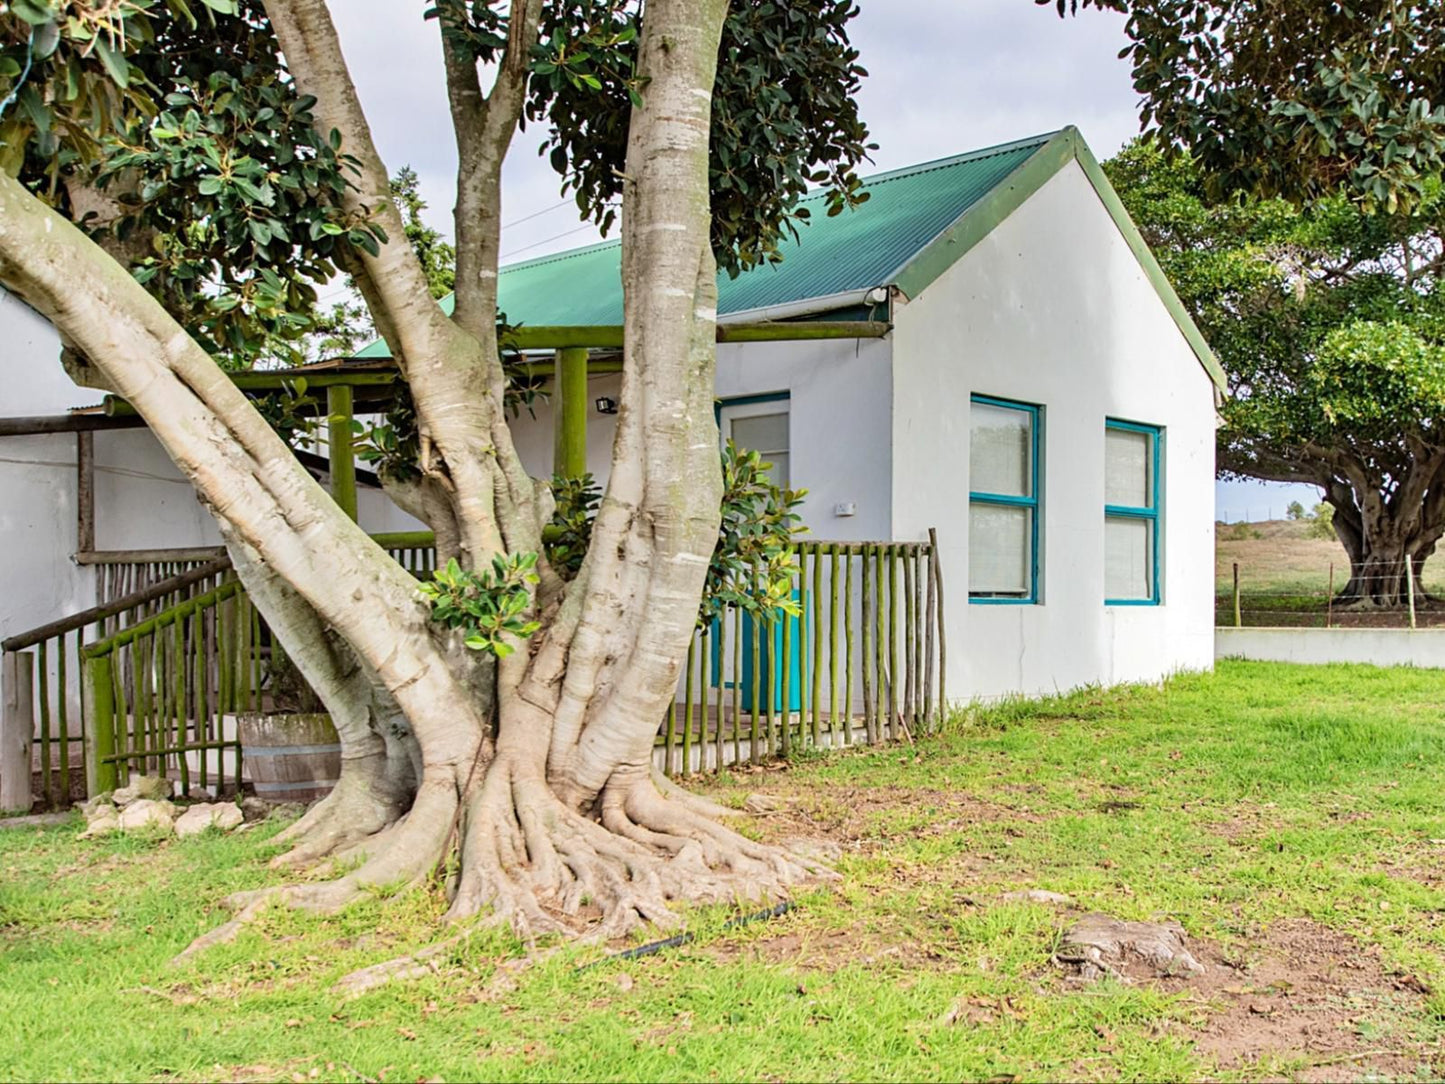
column 499, row 726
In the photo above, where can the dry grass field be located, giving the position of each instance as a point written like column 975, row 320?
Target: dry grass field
column 1284, row 575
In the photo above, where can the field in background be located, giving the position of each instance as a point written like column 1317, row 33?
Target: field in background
column 1284, row 576
column 1289, row 817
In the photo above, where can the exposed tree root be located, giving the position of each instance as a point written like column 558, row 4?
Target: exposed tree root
column 528, row 860
column 362, row 804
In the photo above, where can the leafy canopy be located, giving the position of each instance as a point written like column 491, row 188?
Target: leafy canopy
column 1294, row 98
column 174, row 134
column 223, row 197
column 1329, row 321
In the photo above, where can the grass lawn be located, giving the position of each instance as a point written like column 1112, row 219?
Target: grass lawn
column 1292, row 818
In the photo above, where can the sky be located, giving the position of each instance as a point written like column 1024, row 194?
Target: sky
column 945, row 76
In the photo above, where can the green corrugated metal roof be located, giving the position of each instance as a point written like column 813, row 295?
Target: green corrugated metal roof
column 851, row 251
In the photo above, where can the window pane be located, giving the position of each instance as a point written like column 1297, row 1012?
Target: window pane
column 779, row 470
column 1128, row 558
column 1000, row 550
column 1000, row 449
column 762, row 433
column 1128, row 460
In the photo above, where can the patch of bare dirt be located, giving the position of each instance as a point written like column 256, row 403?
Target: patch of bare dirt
column 1309, row 995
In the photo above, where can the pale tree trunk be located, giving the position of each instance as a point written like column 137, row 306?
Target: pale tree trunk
column 535, row 770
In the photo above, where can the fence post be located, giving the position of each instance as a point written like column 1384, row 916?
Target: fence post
column 1410, row 586
column 17, row 728
column 100, row 774
column 1330, row 599
column 1238, row 620
column 942, row 613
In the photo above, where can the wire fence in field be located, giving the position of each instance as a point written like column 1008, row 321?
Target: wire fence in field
column 1333, row 599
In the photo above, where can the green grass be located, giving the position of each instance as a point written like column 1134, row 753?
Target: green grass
column 1232, row 802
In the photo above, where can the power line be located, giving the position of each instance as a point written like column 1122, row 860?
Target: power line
column 547, row 240
column 539, row 214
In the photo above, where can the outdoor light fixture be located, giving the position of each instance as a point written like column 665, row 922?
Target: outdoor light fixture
column 606, row 405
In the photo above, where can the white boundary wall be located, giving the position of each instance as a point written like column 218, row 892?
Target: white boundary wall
column 1378, row 647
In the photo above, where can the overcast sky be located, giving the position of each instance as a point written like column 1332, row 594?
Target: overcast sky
column 944, row 76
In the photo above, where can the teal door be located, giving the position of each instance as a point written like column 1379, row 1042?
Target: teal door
column 770, row 647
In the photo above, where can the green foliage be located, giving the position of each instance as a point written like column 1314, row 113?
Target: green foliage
column 577, row 502
column 291, row 412
column 392, row 445
column 488, row 606
column 784, row 114
column 1295, row 510
column 752, row 566
column 1330, row 322
column 1298, row 99
column 181, row 144
column 1322, row 522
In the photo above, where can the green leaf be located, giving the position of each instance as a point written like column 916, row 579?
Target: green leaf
column 34, row 12
column 115, row 63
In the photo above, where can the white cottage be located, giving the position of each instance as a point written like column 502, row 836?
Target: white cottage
column 1013, row 371
column 1041, row 397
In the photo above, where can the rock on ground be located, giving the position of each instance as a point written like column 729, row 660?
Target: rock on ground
column 1099, row 944
column 101, row 821
column 147, row 813
column 196, row 819
column 143, row 787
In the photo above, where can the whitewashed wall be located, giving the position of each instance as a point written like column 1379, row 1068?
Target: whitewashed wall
column 839, row 396
column 38, row 580
column 1052, row 308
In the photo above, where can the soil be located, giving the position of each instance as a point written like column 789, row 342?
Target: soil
column 1312, row 996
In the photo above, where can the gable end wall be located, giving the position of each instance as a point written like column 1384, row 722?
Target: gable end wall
column 1053, row 308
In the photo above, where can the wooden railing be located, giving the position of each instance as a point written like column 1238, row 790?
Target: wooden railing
column 152, row 679
column 159, row 693
column 44, row 701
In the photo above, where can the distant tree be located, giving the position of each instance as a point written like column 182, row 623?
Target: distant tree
column 1295, row 510
column 1330, row 323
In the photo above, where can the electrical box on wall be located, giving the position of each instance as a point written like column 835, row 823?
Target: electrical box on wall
column 845, row 508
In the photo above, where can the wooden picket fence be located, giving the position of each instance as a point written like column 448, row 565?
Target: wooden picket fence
column 862, row 662
column 153, row 677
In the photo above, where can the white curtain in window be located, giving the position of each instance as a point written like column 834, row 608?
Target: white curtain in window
column 1000, row 540
column 766, row 434
column 1127, row 463
column 1000, row 449
column 1128, row 558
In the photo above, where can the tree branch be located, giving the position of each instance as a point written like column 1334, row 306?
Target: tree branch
column 484, row 126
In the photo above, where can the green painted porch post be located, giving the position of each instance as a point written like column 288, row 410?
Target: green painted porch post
column 569, row 422
column 338, row 441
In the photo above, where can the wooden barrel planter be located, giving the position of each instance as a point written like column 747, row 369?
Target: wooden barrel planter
column 290, row 758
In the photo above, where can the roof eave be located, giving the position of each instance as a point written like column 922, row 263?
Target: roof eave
column 980, row 219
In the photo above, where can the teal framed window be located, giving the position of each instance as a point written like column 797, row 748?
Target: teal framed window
column 1133, row 482
column 1003, row 501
